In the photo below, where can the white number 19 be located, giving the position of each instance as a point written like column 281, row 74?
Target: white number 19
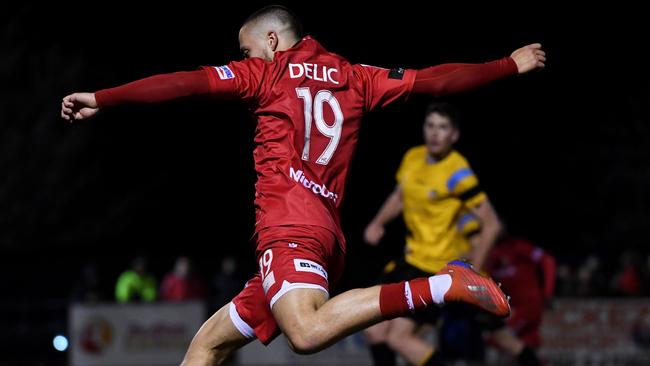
column 332, row 131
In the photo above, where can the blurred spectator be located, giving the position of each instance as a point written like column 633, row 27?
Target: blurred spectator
column 182, row 283
column 591, row 280
column 227, row 282
column 645, row 273
column 566, row 281
column 136, row 284
column 87, row 288
column 628, row 281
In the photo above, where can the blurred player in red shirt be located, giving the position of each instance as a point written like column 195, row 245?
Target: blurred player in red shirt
column 182, row 284
column 308, row 103
column 517, row 264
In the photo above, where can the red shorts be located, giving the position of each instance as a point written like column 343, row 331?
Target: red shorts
column 289, row 257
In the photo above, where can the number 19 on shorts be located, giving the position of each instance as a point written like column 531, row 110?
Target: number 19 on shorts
column 265, row 263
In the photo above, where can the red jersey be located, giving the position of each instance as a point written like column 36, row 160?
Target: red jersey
column 308, row 103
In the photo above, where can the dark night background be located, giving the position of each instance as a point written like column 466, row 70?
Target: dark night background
column 563, row 153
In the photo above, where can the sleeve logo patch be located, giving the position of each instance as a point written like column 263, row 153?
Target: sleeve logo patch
column 224, row 72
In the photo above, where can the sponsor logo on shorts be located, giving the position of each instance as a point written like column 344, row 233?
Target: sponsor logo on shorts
column 305, row 265
column 224, row 72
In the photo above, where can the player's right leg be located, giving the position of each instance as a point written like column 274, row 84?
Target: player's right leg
column 469, row 286
column 383, row 340
column 298, row 263
column 377, row 335
column 403, row 333
column 312, row 323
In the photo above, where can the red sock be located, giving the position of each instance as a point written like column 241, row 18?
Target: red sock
column 403, row 298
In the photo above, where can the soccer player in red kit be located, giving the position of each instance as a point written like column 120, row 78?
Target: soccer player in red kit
column 517, row 264
column 308, row 103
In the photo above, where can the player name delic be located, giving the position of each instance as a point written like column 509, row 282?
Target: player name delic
column 313, row 71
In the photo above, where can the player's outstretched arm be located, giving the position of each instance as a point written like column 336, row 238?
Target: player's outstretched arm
column 452, row 78
column 154, row 89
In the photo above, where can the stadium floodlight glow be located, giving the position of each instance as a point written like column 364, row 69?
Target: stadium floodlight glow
column 60, row 343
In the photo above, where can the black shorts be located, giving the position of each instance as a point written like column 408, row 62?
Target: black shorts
column 400, row 270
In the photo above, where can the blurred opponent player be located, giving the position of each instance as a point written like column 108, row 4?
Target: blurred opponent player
column 441, row 201
column 308, row 103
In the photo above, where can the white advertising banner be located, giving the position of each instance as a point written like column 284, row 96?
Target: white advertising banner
column 132, row 334
column 598, row 332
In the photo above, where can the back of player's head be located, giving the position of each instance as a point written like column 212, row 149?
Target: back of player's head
column 446, row 110
column 277, row 14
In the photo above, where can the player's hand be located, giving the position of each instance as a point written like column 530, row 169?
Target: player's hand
column 373, row 233
column 78, row 106
column 529, row 58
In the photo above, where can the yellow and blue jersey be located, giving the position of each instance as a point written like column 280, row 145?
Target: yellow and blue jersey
column 435, row 196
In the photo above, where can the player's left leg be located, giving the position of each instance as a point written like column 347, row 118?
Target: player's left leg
column 215, row 341
column 239, row 322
